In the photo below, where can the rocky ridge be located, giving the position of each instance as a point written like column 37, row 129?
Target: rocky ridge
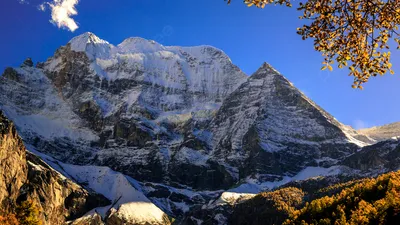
column 382, row 133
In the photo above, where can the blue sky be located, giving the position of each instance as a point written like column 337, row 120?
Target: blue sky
column 249, row 36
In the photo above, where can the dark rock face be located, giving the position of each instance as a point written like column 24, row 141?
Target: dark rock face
column 28, row 62
column 375, row 159
column 212, row 216
column 272, row 128
column 57, row 196
column 132, row 133
column 26, row 177
column 68, row 78
column 71, row 82
column 150, row 167
column 11, row 74
column 210, row 177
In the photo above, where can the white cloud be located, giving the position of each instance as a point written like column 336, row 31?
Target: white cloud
column 359, row 124
column 61, row 12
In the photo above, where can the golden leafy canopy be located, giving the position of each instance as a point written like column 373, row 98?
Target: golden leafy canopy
column 9, row 219
column 368, row 201
column 352, row 33
column 28, row 213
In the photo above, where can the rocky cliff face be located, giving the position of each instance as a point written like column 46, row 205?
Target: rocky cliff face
column 269, row 127
column 60, row 199
column 376, row 159
column 26, row 177
column 12, row 163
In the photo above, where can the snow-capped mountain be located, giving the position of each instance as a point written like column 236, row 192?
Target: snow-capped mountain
column 183, row 123
column 269, row 127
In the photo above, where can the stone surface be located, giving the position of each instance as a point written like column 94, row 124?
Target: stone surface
column 13, row 167
column 26, row 177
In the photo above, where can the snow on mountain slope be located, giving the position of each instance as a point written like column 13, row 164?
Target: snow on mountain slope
column 205, row 72
column 269, row 127
column 284, row 111
column 40, row 110
column 253, row 186
column 129, row 204
column 381, row 133
column 40, row 115
column 92, row 45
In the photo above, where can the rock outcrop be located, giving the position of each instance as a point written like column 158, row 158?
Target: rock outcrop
column 13, row 165
column 24, row 177
column 376, row 159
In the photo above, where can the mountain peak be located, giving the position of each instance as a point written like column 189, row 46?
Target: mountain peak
column 91, row 44
column 264, row 70
column 27, row 63
column 80, row 42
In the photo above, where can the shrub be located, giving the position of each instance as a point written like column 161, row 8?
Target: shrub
column 28, row 213
column 9, row 219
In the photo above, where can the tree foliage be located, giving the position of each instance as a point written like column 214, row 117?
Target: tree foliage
column 268, row 207
column 355, row 202
column 28, row 213
column 9, row 219
column 351, row 33
column 371, row 201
